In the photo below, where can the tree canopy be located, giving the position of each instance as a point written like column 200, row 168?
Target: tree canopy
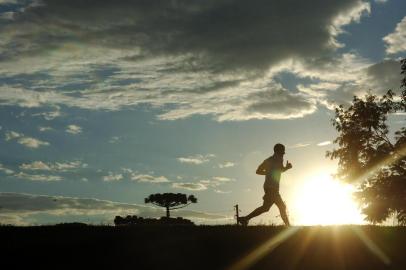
column 371, row 156
column 170, row 200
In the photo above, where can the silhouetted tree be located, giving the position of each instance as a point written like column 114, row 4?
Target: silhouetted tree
column 370, row 157
column 170, row 200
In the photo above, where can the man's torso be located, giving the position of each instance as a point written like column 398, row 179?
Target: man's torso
column 274, row 168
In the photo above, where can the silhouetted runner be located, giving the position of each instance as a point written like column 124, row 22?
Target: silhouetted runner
column 272, row 168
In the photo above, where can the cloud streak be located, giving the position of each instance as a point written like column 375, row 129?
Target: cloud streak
column 190, row 186
column 149, row 178
column 299, row 145
column 214, row 182
column 196, row 159
column 56, row 167
column 44, row 129
column 38, row 177
column 227, row 164
column 324, row 143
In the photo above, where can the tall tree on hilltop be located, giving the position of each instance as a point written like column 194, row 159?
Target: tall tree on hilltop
column 369, row 157
column 170, row 201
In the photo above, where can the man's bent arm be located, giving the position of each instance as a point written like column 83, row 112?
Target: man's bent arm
column 261, row 169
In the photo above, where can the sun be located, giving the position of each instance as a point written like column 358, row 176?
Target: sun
column 321, row 200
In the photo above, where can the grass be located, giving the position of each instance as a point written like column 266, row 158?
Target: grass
column 204, row 247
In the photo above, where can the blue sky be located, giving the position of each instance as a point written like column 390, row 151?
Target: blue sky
column 103, row 104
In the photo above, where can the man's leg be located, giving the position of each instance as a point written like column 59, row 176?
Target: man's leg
column 258, row 211
column 282, row 210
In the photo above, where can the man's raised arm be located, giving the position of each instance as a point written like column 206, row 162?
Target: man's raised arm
column 287, row 167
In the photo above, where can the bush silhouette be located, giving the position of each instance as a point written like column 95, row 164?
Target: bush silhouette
column 134, row 220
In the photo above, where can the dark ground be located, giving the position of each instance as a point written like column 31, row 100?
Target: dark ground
column 197, row 247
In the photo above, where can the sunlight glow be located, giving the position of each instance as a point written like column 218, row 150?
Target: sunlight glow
column 321, row 200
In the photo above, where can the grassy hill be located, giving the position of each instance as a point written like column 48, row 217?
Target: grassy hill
column 204, row 247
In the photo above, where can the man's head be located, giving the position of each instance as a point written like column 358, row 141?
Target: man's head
column 279, row 149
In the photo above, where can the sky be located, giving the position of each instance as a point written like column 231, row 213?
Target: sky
column 105, row 102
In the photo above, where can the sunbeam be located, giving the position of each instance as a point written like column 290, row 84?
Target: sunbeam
column 385, row 162
column 372, row 247
column 264, row 249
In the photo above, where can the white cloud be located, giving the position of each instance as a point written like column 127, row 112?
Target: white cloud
column 351, row 75
column 38, row 101
column 5, row 170
column 65, row 166
column 227, row 164
column 74, row 129
column 11, row 135
column 32, row 142
column 196, row 159
column 38, row 177
column 114, row 139
column 222, row 179
column 190, row 186
column 111, row 177
column 265, row 99
column 324, row 143
column 57, row 166
column 210, row 183
column 352, row 14
column 144, row 177
column 213, row 182
column 222, row 191
column 26, row 141
column 43, row 129
column 149, row 178
column 36, row 165
column 396, row 41
column 127, row 170
column 299, row 145
column 26, row 209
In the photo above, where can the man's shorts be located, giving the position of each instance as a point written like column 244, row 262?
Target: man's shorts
column 272, row 196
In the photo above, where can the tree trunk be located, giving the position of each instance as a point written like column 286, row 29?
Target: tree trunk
column 167, row 211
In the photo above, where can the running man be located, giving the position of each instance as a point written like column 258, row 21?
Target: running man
column 272, row 168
